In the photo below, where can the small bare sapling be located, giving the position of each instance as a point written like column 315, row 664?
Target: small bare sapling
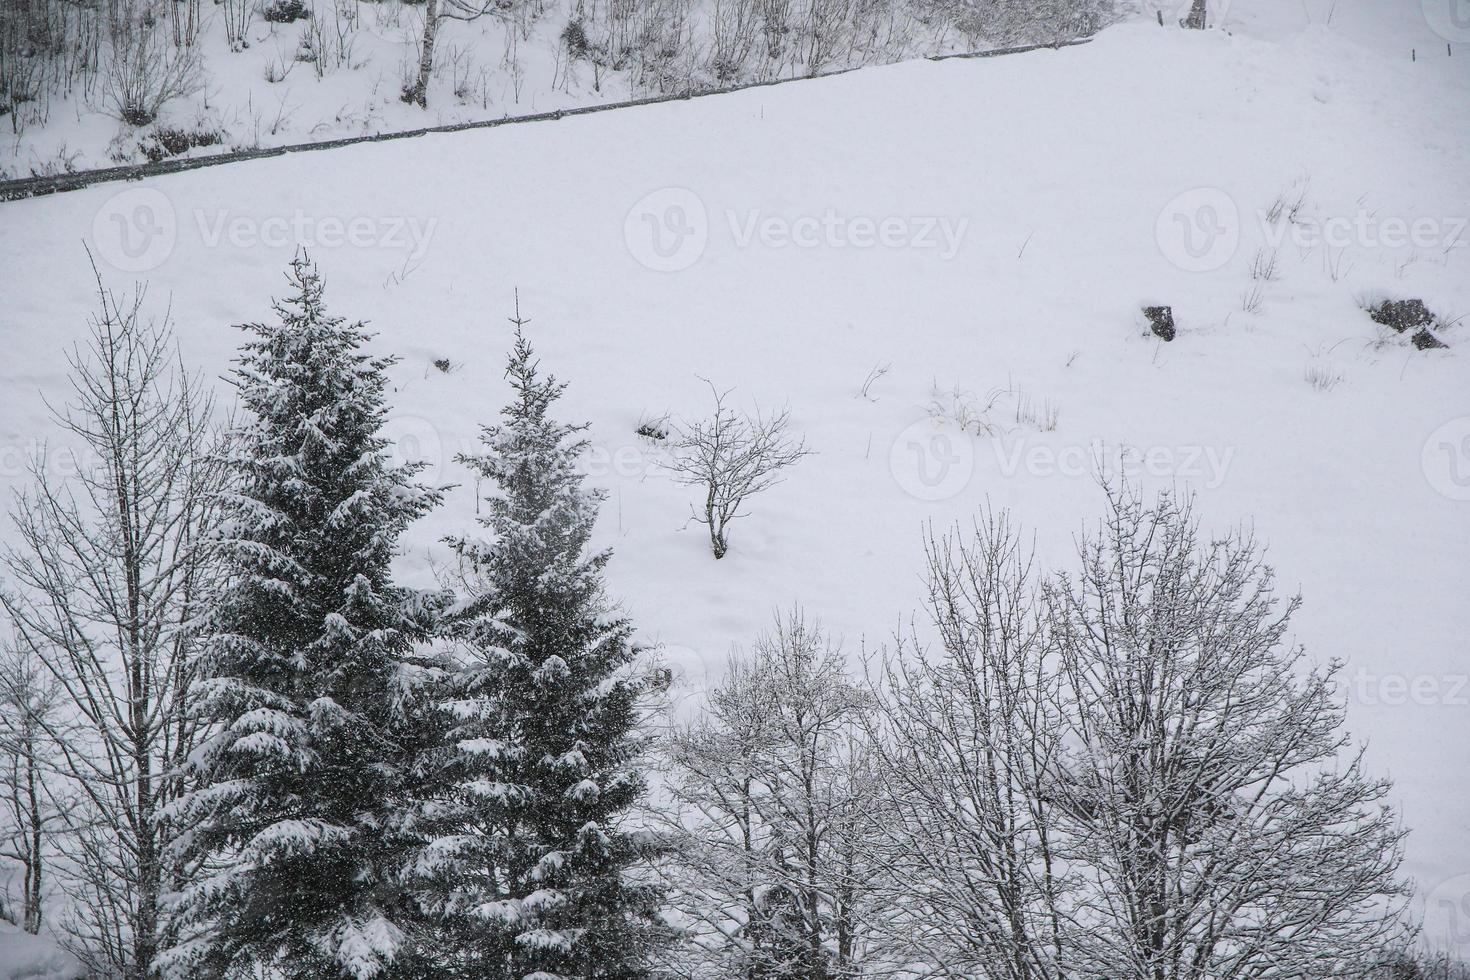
column 732, row 456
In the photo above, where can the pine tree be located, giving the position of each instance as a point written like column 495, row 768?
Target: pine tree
column 529, row 857
column 294, row 813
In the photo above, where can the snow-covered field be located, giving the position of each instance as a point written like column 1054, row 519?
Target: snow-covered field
column 986, row 230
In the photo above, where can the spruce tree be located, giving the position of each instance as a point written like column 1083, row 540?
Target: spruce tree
column 295, row 813
column 527, row 865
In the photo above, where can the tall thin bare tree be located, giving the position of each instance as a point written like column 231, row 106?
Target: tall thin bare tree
column 109, row 570
column 435, row 12
column 33, row 804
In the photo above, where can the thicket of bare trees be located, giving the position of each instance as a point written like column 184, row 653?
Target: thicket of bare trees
column 678, row 45
column 124, row 57
column 968, row 736
column 1139, row 775
column 771, row 799
column 1127, row 772
column 130, row 58
column 108, row 571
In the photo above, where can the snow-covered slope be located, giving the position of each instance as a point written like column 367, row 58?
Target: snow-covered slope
column 27, row 957
column 987, row 230
column 340, row 72
column 341, row 67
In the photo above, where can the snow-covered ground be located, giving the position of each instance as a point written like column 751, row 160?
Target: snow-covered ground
column 341, row 71
column 27, row 957
column 988, row 231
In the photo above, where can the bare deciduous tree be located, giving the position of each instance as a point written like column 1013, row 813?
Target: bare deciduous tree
column 771, row 805
column 732, row 457
column 33, row 806
column 110, row 570
column 967, row 738
column 1129, row 774
column 436, row 11
column 1208, row 784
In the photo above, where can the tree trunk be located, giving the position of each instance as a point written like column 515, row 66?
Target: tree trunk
column 1196, row 19
column 36, row 866
column 419, row 94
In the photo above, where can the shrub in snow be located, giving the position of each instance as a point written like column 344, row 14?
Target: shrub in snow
column 164, row 143
column 1160, row 321
column 145, row 70
column 284, row 11
column 531, row 768
column 574, row 39
column 655, row 429
column 1424, row 340
column 732, row 457
column 295, row 818
column 1322, row 376
column 1402, row 314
